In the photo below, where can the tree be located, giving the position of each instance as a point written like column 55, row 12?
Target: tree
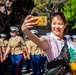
column 47, row 7
column 41, row 7
column 69, row 10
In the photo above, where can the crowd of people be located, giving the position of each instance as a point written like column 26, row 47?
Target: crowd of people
column 34, row 49
column 5, row 6
column 20, row 49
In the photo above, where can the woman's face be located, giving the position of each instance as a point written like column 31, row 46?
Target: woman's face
column 58, row 26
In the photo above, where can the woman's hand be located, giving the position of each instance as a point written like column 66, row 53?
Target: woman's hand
column 29, row 22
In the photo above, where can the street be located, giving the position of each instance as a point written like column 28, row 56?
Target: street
column 24, row 71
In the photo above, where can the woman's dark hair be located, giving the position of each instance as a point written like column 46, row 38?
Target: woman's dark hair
column 59, row 14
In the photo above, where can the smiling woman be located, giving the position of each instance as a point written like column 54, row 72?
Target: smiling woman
column 52, row 44
column 58, row 24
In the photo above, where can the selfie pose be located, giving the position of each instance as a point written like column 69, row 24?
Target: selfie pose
column 53, row 43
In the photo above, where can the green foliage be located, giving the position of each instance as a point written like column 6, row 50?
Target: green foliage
column 37, row 2
column 69, row 10
column 40, row 7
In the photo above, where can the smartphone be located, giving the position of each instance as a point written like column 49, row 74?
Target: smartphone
column 42, row 20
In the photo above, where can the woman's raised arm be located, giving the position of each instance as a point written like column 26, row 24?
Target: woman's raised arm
column 28, row 23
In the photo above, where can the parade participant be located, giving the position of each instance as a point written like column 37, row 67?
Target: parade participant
column 16, row 46
column 1, row 70
column 28, row 64
column 43, row 61
column 4, row 43
column 52, row 44
column 35, row 55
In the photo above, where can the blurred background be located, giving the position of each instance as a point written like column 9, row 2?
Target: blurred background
column 13, row 13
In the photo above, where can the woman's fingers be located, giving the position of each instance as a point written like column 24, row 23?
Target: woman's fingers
column 30, row 25
column 28, row 17
column 33, row 19
column 29, row 22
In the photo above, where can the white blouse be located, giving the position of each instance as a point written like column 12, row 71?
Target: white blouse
column 55, row 46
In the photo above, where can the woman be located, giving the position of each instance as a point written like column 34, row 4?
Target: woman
column 53, row 43
column 15, row 45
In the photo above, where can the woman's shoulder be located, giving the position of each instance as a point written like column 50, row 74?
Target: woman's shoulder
column 47, row 37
